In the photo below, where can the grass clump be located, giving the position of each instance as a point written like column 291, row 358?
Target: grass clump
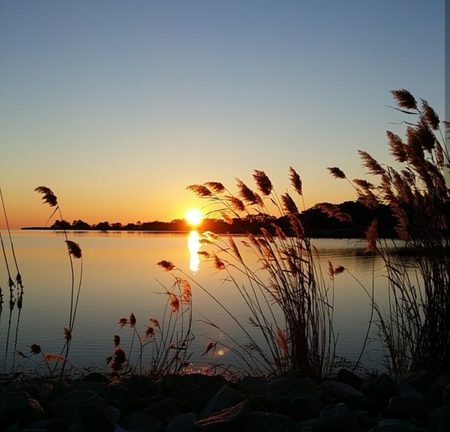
column 415, row 325
column 287, row 297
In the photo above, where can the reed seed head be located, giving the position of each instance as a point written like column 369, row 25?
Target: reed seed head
column 116, row 341
column 67, row 334
column 215, row 186
column 263, row 182
column 132, row 320
column 245, row 192
column 74, row 249
column 174, row 303
column 155, row 322
column 404, row 99
column 296, row 181
column 52, row 357
column 35, row 349
column 288, row 204
column 430, row 115
column 336, row 172
column 123, row 322
column 48, row 196
column 199, row 190
column 166, row 265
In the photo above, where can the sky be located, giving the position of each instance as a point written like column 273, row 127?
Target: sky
column 119, row 105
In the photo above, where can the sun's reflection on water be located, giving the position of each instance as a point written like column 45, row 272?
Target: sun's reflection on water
column 194, row 247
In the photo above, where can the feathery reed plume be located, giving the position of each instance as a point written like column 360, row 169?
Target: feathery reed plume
column 337, row 172
column 370, row 163
column 333, row 210
column 123, row 322
column 132, row 320
column 52, row 357
column 296, row 181
column 116, row 341
column 199, row 190
column 289, row 205
column 174, row 302
column 398, row 148
column 67, row 334
column 430, row 116
column 74, row 249
column 404, row 99
column 155, row 322
column 48, row 196
column 263, row 182
column 245, row 192
column 236, row 204
column 166, row 265
column 372, row 236
column 216, row 187
column 35, row 349
column 218, row 263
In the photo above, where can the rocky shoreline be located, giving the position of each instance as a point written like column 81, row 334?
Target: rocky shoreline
column 418, row 402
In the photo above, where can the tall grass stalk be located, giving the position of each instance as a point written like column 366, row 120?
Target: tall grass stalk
column 415, row 325
column 288, row 299
column 74, row 252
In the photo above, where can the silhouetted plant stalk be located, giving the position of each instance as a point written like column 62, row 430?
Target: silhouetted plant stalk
column 415, row 328
column 75, row 288
column 301, row 340
column 168, row 340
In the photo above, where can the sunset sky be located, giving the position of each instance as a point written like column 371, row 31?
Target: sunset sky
column 117, row 106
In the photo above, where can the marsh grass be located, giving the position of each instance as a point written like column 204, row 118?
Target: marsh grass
column 167, row 340
column 415, row 326
column 288, row 298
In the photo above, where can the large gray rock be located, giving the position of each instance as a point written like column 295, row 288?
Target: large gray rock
column 337, row 392
column 420, row 381
column 119, row 397
column 338, row 418
column 145, row 423
column 226, row 397
column 182, row 423
column 193, row 391
column 270, row 422
column 227, row 420
column 439, row 419
column 407, row 405
column 18, row 405
column 396, row 425
column 291, row 388
column 67, row 405
column 94, row 419
column 254, row 385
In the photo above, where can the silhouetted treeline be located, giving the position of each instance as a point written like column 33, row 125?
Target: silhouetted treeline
column 316, row 223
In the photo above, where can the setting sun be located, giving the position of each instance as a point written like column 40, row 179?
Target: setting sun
column 193, row 217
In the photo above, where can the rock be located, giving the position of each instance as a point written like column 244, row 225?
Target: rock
column 348, row 377
column 142, row 386
column 95, row 377
column 338, row 418
column 119, row 397
column 378, row 392
column 18, row 406
column 192, row 392
column 226, row 397
column 145, row 423
column 254, row 385
column 67, row 405
column 291, row 388
column 94, row 419
column 420, row 381
column 227, row 420
column 439, row 419
column 97, row 387
column 408, row 404
column 182, row 423
column 337, row 392
column 163, row 410
column 395, row 425
column 270, row 422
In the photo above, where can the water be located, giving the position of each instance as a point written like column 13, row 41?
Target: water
column 121, row 276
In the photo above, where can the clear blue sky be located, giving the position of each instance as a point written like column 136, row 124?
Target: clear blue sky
column 119, row 105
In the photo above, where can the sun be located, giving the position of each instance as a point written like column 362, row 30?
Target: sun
column 193, row 217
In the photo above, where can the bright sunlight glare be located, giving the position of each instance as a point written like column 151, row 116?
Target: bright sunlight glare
column 193, row 217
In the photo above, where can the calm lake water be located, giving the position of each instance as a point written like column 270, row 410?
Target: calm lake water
column 120, row 276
